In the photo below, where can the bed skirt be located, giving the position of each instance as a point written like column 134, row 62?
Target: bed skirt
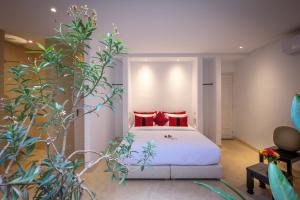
column 176, row 172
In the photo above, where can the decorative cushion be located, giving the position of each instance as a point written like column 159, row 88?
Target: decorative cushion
column 160, row 119
column 141, row 120
column 154, row 112
column 178, row 120
column 179, row 112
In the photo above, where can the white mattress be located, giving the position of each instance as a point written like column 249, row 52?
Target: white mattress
column 187, row 147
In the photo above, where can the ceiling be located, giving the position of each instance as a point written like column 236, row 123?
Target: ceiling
column 166, row 26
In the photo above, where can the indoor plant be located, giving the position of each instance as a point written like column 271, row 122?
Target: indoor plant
column 36, row 105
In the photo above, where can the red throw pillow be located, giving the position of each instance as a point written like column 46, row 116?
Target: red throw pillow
column 180, row 112
column 178, row 121
column 143, row 121
column 154, row 112
column 160, row 119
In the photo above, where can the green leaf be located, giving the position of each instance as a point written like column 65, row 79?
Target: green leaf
column 18, row 192
column 54, row 38
column 30, row 175
column 280, row 187
column 219, row 192
column 47, row 179
column 22, row 194
column 295, row 111
column 232, row 189
column 41, row 46
column 61, row 89
column 76, row 195
column 30, row 141
column 98, row 107
column 29, row 149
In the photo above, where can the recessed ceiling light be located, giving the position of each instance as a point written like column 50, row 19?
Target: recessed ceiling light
column 30, row 41
column 53, row 10
column 241, row 47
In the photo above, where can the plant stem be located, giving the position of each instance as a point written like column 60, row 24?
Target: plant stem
column 63, row 149
column 4, row 149
column 83, row 152
column 92, row 164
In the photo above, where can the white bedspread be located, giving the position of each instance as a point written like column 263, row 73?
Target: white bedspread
column 187, row 146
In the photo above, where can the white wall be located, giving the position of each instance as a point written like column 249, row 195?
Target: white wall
column 228, row 67
column 212, row 99
column 98, row 129
column 162, row 86
column 264, row 83
column 118, row 111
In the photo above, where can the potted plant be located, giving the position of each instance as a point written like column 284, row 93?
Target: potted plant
column 36, row 105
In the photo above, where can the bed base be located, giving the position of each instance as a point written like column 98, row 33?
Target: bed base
column 176, row 172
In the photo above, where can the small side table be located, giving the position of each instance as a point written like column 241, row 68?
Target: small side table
column 285, row 156
column 260, row 172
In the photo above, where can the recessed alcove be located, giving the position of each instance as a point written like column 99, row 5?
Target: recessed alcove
column 161, row 84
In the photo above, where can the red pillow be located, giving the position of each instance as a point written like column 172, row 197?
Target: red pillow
column 144, row 112
column 178, row 121
column 143, row 121
column 160, row 119
column 180, row 112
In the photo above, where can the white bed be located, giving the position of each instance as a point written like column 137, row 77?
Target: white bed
column 188, row 154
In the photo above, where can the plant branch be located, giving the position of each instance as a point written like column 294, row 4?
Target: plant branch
column 4, row 149
column 65, row 136
column 99, row 79
column 83, row 152
column 92, row 164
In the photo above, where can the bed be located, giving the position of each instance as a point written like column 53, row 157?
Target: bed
column 188, row 154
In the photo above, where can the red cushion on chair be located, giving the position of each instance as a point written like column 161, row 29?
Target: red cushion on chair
column 178, row 121
column 160, row 119
column 143, row 120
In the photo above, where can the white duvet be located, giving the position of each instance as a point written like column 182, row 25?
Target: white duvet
column 186, row 147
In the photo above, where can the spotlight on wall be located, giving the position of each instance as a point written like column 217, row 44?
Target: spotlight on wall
column 241, row 47
column 30, row 41
column 52, row 9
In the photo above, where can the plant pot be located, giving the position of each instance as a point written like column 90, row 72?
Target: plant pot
column 295, row 111
column 287, row 138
